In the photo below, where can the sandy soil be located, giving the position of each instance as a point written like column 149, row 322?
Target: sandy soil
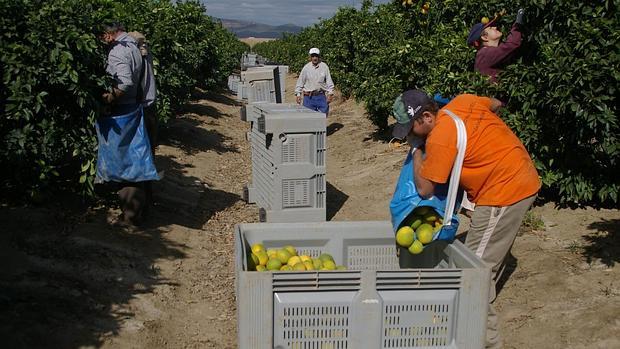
column 68, row 280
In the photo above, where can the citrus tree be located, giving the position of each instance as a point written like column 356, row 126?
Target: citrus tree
column 52, row 66
column 561, row 92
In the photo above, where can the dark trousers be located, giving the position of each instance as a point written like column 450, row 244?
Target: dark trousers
column 136, row 198
column 151, row 123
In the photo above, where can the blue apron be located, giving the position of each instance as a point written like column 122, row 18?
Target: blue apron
column 124, row 153
column 406, row 199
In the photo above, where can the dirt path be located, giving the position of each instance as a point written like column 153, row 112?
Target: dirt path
column 70, row 281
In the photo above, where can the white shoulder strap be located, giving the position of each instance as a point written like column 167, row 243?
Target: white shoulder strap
column 455, row 176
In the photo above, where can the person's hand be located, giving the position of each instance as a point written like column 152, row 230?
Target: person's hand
column 330, row 98
column 415, row 142
column 107, row 98
column 298, row 99
column 519, row 19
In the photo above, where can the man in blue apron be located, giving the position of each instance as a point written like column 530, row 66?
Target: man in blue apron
column 125, row 155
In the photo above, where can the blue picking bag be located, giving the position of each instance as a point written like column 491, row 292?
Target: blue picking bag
column 124, row 153
column 441, row 100
column 406, row 199
column 446, row 196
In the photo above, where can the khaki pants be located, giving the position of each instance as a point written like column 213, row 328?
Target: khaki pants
column 491, row 234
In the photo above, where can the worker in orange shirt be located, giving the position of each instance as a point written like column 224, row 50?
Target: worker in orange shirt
column 498, row 173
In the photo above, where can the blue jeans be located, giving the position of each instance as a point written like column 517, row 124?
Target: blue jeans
column 317, row 103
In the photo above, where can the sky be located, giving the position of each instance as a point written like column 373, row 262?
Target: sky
column 277, row 12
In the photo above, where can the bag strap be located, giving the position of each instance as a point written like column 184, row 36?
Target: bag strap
column 140, row 92
column 455, row 176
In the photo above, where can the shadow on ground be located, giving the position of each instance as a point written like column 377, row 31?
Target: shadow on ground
column 380, row 135
column 188, row 135
column 185, row 200
column 333, row 128
column 604, row 244
column 215, row 96
column 510, row 266
column 335, row 200
column 66, row 276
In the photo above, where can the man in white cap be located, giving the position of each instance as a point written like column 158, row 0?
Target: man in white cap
column 315, row 84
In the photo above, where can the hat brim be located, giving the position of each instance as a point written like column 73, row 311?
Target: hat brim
column 475, row 41
column 490, row 23
column 401, row 131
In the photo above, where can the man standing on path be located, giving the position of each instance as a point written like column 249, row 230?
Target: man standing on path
column 498, row 174
column 314, row 83
column 493, row 55
column 125, row 64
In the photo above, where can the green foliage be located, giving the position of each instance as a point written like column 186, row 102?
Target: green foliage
column 561, row 92
column 52, row 66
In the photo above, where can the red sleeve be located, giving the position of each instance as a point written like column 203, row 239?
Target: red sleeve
column 440, row 151
column 496, row 55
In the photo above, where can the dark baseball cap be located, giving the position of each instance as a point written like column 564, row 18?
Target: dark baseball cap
column 476, row 32
column 406, row 108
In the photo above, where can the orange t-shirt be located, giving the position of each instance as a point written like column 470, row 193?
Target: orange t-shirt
column 497, row 170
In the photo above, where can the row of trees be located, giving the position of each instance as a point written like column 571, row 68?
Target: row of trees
column 561, row 93
column 52, row 65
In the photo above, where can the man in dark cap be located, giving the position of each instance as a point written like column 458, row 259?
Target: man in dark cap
column 125, row 64
column 493, row 55
column 498, row 174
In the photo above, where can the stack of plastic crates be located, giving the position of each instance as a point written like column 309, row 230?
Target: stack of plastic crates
column 372, row 305
column 283, row 72
column 260, row 84
column 233, row 83
column 249, row 60
column 288, row 162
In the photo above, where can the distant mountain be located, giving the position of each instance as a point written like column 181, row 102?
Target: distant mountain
column 244, row 29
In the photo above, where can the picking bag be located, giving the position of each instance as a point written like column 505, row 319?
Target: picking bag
column 124, row 153
column 406, row 197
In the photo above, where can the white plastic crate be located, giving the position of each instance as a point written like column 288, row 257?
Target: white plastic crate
column 250, row 60
column 282, row 72
column 242, row 91
column 288, row 162
column 233, row 83
column 259, row 73
column 372, row 305
column 262, row 91
column 263, row 84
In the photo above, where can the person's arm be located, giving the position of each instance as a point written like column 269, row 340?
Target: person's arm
column 435, row 166
column 496, row 55
column 110, row 97
column 495, row 105
column 300, row 85
column 329, row 84
column 425, row 187
column 121, row 73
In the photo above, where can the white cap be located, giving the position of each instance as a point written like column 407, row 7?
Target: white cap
column 315, row 51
